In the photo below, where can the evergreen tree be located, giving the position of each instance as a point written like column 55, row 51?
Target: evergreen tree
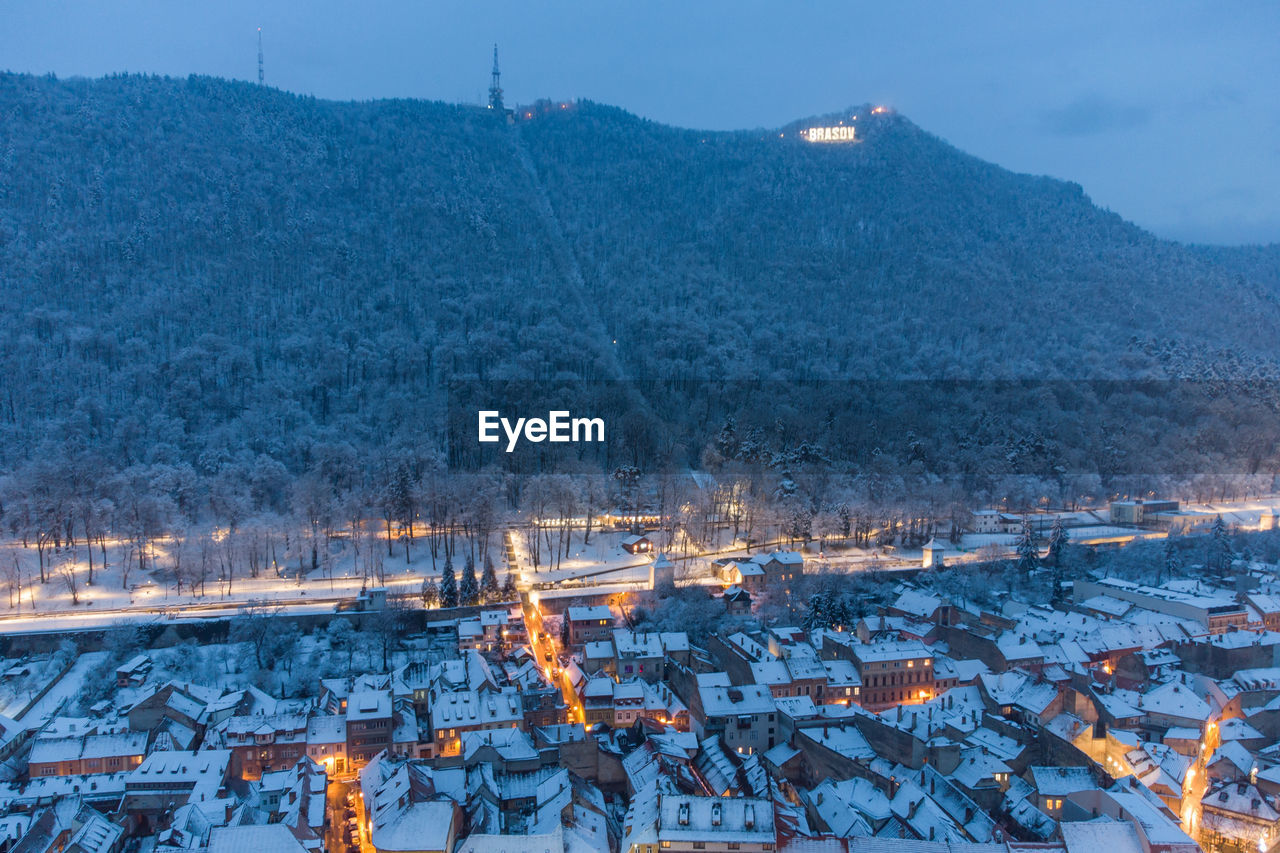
column 448, row 585
column 1058, row 540
column 1220, row 551
column 564, row 631
column 489, row 590
column 816, row 614
column 509, row 591
column 846, row 520
column 1059, row 587
column 1028, row 554
column 726, row 443
column 1172, row 565
column 840, row 614
column 430, row 594
column 469, row 591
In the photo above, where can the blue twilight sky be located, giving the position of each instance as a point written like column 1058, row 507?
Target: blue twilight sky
column 1166, row 112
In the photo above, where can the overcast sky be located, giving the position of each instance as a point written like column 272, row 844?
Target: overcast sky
column 1166, row 112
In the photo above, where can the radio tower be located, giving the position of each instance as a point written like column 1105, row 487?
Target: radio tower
column 261, row 76
column 495, row 89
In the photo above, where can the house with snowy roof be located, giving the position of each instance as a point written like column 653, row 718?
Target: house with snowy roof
column 629, row 654
column 1238, row 815
column 924, row 817
column 683, row 822
column 266, row 838
column 169, row 778
column 417, row 826
column 891, row 671
column 67, row 824
column 86, row 754
column 1175, row 704
column 744, row 716
column 1214, row 609
column 134, row 671
column 1231, row 762
column 1053, row 784
column 177, row 701
column 586, row 624
column 452, row 714
column 923, row 606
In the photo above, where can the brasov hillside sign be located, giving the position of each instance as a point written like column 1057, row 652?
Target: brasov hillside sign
column 840, row 133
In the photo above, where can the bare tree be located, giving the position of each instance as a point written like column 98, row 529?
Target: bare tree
column 178, row 557
column 13, row 582
column 67, row 572
column 203, row 565
column 256, row 625
column 385, row 627
column 227, row 554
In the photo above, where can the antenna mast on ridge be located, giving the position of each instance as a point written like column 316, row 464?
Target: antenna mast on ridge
column 495, row 87
column 261, row 76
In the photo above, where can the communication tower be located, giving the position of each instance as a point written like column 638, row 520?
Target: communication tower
column 495, row 87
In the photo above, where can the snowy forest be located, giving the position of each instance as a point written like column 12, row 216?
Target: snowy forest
column 225, row 301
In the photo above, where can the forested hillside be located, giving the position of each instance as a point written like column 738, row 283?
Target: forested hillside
column 212, row 282
column 1246, row 263
column 899, row 256
column 196, row 267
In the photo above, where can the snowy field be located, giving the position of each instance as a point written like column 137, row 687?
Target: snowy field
column 27, row 604
column 603, row 553
column 62, row 693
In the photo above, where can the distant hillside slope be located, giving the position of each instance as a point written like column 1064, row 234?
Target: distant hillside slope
column 1258, row 264
column 896, row 256
column 216, row 274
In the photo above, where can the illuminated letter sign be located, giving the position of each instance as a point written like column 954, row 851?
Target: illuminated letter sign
column 840, row 133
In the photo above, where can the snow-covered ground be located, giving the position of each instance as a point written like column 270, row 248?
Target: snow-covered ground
column 64, row 691
column 1246, row 514
column 603, row 553
column 152, row 595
